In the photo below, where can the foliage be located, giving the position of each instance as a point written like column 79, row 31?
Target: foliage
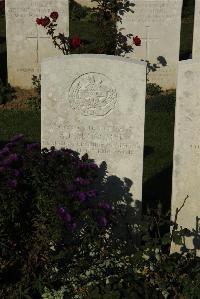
column 2, row 7
column 64, row 43
column 79, row 234
column 153, row 89
column 7, row 93
column 77, row 11
column 52, row 190
column 34, row 102
column 106, row 14
column 188, row 8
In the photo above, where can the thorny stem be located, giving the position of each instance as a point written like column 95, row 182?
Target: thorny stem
column 176, row 216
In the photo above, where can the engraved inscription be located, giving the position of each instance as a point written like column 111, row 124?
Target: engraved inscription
column 154, row 12
column 95, row 139
column 93, row 94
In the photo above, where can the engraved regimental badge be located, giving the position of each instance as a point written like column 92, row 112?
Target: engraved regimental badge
column 93, row 94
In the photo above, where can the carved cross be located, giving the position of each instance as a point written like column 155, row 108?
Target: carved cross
column 148, row 39
column 37, row 37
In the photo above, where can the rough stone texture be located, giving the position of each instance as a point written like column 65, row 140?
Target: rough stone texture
column 27, row 43
column 96, row 104
column 186, row 172
column 196, row 34
column 158, row 24
column 87, row 3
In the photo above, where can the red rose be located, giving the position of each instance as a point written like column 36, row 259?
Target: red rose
column 38, row 21
column 54, row 15
column 43, row 21
column 137, row 41
column 75, row 42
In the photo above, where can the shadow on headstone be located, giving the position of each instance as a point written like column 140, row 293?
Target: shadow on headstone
column 152, row 67
column 127, row 211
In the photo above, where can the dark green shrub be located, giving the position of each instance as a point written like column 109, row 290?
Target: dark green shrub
column 34, row 102
column 78, row 12
column 2, row 7
column 7, row 93
column 153, row 89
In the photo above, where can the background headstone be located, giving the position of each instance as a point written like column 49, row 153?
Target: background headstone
column 196, row 34
column 186, row 169
column 96, row 104
column 158, row 24
column 87, row 3
column 28, row 43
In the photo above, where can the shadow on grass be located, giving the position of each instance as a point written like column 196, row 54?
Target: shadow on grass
column 158, row 190
column 3, row 68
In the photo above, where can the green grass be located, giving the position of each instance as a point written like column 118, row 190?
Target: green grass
column 16, row 121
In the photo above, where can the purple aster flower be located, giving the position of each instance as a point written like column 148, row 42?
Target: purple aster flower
column 92, row 193
column 32, row 146
column 102, row 221
column 72, row 226
column 81, row 181
column 4, row 151
column 10, row 144
column 61, row 211
column 67, row 217
column 71, row 188
column 17, row 137
column 93, row 165
column 2, row 169
column 15, row 172
column 12, row 184
column 81, row 196
column 11, row 158
column 105, row 206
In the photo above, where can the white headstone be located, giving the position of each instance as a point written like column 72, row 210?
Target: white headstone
column 196, row 34
column 96, row 104
column 158, row 24
column 186, row 169
column 28, row 43
column 87, row 3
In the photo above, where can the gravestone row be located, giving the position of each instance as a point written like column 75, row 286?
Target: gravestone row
column 157, row 22
column 96, row 104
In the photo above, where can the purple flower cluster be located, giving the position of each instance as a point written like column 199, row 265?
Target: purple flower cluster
column 102, row 221
column 81, row 196
column 67, row 218
column 105, row 206
column 81, row 181
column 12, row 184
column 32, row 146
column 12, row 158
column 17, row 137
column 88, row 165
